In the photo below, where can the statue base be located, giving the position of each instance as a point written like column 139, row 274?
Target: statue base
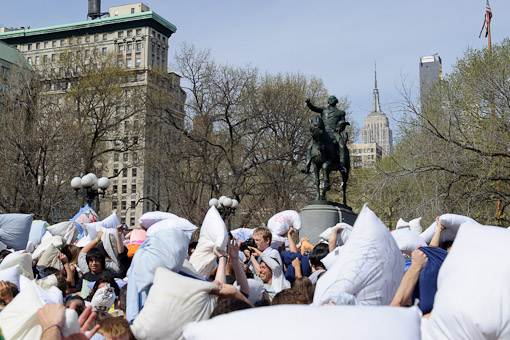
column 319, row 215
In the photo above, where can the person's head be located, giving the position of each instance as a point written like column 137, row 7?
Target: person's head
column 263, row 238
column 305, row 287
column 191, row 247
column 78, row 300
column 317, row 254
column 122, row 299
column 96, row 261
column 228, row 305
column 72, row 252
column 115, row 328
column 332, row 101
column 8, row 292
column 101, row 282
column 289, row 297
column 265, row 273
column 446, row 245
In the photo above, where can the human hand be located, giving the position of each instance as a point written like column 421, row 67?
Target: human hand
column 233, row 248
column 418, row 258
column 291, row 231
column 120, row 229
column 5, row 293
column 338, row 227
column 255, row 251
column 228, row 290
column 52, row 313
column 63, row 258
column 296, row 263
column 439, row 225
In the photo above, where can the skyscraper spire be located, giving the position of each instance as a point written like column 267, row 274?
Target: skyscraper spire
column 377, row 106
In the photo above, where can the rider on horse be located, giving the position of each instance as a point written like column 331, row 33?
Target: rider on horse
column 334, row 122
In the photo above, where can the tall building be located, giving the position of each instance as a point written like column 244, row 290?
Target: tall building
column 376, row 128
column 9, row 58
column 138, row 37
column 364, row 155
column 431, row 72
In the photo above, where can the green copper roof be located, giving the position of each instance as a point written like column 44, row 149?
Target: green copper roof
column 11, row 55
column 91, row 24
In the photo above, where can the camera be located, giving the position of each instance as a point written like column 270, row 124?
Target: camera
column 248, row 243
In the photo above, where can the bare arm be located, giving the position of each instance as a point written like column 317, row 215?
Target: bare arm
column 296, row 263
column 437, row 235
column 253, row 259
column 221, row 276
column 292, row 244
column 92, row 243
column 120, row 244
column 406, row 288
column 68, row 268
column 233, row 252
column 333, row 237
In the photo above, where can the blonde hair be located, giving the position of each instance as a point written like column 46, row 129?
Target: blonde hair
column 115, row 327
column 265, row 233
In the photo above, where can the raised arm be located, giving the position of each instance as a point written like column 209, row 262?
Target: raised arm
column 313, row 107
column 437, row 235
column 333, row 237
column 233, row 252
column 292, row 244
column 406, row 288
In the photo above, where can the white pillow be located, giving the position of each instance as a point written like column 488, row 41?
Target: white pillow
column 212, row 234
column 37, row 231
column 451, row 222
column 370, row 267
column 281, row 222
column 340, row 239
column 55, row 240
column 111, row 222
column 176, row 223
column 170, row 306
column 82, row 242
column 415, row 225
column 11, row 275
column 277, row 240
column 402, row 224
column 294, row 322
column 24, row 260
column 242, row 233
column 473, row 295
column 407, row 239
column 151, row 217
column 67, row 230
column 330, row 259
column 49, row 258
column 91, row 229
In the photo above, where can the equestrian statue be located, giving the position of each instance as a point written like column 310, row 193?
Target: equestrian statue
column 328, row 148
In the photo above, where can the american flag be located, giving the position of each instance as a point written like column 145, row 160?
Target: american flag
column 487, row 20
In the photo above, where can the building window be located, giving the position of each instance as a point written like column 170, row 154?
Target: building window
column 132, row 221
column 120, row 34
column 123, row 205
column 121, row 48
column 133, row 188
column 45, row 44
column 129, row 47
column 130, row 33
column 133, row 171
column 147, row 205
column 105, row 36
column 132, row 10
column 53, row 57
column 125, row 156
column 122, row 220
column 133, row 204
column 103, row 51
column 37, row 60
column 116, row 13
column 37, row 46
column 115, row 172
column 114, row 205
column 45, row 59
column 62, row 43
column 53, row 44
column 116, row 157
column 129, row 63
column 124, row 188
column 124, row 172
column 87, row 53
column 87, row 38
column 114, row 188
column 29, row 47
column 138, row 63
column 138, row 31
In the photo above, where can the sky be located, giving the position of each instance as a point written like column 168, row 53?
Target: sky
column 336, row 40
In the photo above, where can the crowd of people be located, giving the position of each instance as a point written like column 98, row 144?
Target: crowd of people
column 153, row 283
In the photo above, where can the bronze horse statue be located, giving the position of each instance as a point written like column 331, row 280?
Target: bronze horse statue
column 325, row 156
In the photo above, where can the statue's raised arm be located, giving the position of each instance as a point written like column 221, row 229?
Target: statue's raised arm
column 313, row 107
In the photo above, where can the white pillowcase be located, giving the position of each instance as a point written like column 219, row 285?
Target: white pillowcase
column 451, row 222
column 343, row 234
column 294, row 322
column 55, row 240
column 11, row 275
column 172, row 223
column 151, row 217
column 407, row 239
column 370, row 266
column 473, row 296
column 281, row 222
column 67, row 230
column 24, row 260
column 174, row 300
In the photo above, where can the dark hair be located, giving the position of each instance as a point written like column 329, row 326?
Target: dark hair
column 193, row 245
column 317, row 254
column 305, row 287
column 228, row 305
column 104, row 279
column 446, row 244
column 80, row 303
column 289, row 297
column 3, row 254
column 96, row 254
column 122, row 298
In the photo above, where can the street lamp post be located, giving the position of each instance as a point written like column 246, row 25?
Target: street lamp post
column 91, row 187
column 226, row 207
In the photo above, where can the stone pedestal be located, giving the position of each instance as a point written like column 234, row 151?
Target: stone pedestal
column 317, row 217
